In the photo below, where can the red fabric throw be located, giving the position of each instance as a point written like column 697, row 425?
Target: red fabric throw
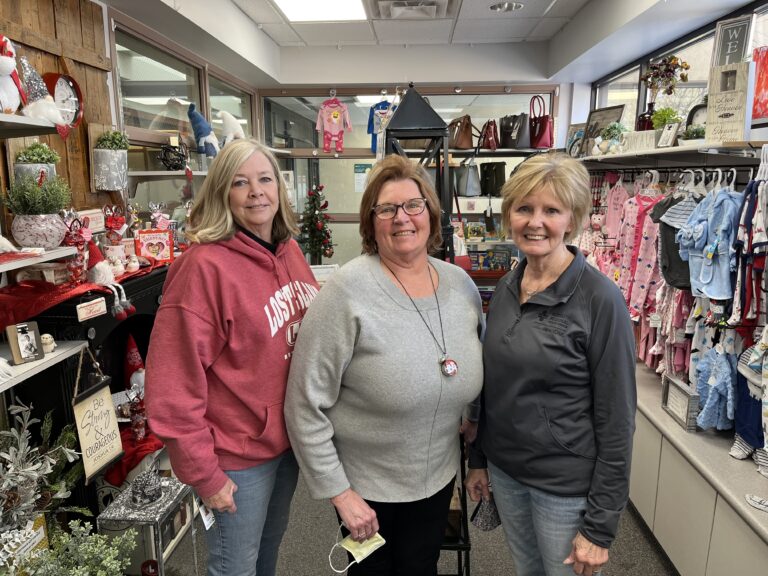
column 134, row 453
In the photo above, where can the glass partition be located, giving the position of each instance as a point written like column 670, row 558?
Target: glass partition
column 621, row 90
column 223, row 96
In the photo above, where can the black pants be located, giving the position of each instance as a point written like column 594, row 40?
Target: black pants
column 414, row 533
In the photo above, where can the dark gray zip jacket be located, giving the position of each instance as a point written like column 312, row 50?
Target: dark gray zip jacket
column 559, row 398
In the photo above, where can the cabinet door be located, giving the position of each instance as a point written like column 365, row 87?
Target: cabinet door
column 646, row 455
column 685, row 508
column 735, row 548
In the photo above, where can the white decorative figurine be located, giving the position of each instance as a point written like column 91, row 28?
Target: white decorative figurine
column 133, row 263
column 233, row 130
column 49, row 344
column 11, row 91
column 117, row 266
column 40, row 103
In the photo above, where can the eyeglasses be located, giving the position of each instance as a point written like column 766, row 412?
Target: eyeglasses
column 412, row 207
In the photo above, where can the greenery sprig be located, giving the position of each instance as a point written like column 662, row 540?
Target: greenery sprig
column 27, row 197
column 112, row 140
column 37, row 153
column 664, row 75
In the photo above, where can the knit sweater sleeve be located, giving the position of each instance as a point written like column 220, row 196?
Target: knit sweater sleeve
column 184, row 344
column 323, row 350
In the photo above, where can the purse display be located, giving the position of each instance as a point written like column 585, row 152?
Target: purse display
column 489, row 135
column 468, row 178
column 492, row 178
column 460, row 133
column 514, row 131
column 540, row 124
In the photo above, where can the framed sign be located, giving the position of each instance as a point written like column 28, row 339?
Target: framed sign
column 680, row 402
column 729, row 102
column 732, row 40
column 574, row 138
column 668, row 134
column 96, row 422
column 24, row 342
column 598, row 121
column 157, row 244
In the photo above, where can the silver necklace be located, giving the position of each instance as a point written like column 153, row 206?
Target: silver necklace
column 448, row 366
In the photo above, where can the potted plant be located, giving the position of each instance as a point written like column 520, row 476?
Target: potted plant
column 35, row 206
column 693, row 134
column 77, row 551
column 110, row 161
column 664, row 116
column 611, row 136
column 661, row 76
column 34, row 159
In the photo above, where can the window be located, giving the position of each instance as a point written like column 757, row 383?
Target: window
column 156, row 88
column 223, row 96
column 621, row 90
column 688, row 94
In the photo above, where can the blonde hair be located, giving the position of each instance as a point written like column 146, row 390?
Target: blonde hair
column 392, row 168
column 566, row 177
column 211, row 219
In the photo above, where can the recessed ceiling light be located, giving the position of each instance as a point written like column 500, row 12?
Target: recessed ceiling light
column 316, row 11
column 506, row 6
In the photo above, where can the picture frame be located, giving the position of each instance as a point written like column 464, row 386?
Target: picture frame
column 733, row 38
column 760, row 102
column 598, row 120
column 680, row 402
column 24, row 342
column 574, row 138
column 668, row 135
column 157, row 244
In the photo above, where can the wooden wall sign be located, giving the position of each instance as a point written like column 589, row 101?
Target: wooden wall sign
column 729, row 108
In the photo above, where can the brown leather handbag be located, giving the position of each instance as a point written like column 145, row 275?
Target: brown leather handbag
column 460, row 133
column 489, row 135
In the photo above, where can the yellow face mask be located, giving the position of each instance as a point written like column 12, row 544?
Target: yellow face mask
column 359, row 550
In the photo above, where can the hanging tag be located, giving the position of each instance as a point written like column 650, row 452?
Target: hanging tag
column 205, row 513
column 654, row 321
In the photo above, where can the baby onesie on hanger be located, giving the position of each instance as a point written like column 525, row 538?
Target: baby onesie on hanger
column 332, row 119
column 377, row 113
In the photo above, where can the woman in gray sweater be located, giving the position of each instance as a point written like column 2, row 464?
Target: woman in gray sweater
column 388, row 357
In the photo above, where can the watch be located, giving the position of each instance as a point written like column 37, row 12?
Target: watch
column 697, row 116
column 67, row 96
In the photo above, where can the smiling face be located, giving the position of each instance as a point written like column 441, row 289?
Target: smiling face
column 253, row 197
column 402, row 238
column 538, row 224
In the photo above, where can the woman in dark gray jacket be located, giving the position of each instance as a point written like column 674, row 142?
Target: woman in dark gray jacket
column 558, row 402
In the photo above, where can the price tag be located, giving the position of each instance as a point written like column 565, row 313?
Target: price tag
column 655, row 321
column 205, row 513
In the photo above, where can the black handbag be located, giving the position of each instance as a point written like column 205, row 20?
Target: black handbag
column 492, row 178
column 514, row 131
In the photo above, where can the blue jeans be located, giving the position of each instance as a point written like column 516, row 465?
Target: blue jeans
column 246, row 543
column 539, row 526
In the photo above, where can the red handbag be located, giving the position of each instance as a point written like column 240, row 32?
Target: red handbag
column 540, row 124
column 489, row 135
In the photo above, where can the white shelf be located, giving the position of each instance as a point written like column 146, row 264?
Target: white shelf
column 160, row 174
column 64, row 350
column 15, row 126
column 61, row 252
column 478, row 204
column 720, row 153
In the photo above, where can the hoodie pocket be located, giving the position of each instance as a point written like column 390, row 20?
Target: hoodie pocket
column 582, row 447
column 271, row 437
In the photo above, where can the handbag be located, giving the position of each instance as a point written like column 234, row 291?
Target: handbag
column 486, row 515
column 540, row 124
column 492, row 178
column 468, row 178
column 460, row 133
column 514, row 131
column 489, row 136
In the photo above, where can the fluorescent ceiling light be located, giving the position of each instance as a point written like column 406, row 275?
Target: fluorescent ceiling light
column 322, row 10
column 368, row 100
column 448, row 110
column 156, row 100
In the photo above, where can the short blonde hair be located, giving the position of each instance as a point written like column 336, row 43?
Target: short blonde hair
column 566, row 177
column 211, row 219
column 392, row 168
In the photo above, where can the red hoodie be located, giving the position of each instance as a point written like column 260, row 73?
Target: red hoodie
column 219, row 356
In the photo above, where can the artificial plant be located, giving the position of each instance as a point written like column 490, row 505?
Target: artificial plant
column 315, row 238
column 112, row 140
column 37, row 153
column 664, row 116
column 29, row 196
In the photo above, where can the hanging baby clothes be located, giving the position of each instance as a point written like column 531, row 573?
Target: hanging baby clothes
column 617, row 196
column 633, row 218
column 749, row 393
column 332, row 120
column 377, row 113
column 716, row 376
column 671, row 214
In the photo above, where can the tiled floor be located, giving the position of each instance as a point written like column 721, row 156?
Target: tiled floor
column 312, row 530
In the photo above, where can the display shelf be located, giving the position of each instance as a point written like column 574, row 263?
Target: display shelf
column 61, row 252
column 15, row 126
column 136, row 177
column 487, row 274
column 478, row 204
column 483, row 244
column 21, row 372
column 709, row 154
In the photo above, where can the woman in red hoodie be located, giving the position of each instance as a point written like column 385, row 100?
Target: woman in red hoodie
column 219, row 356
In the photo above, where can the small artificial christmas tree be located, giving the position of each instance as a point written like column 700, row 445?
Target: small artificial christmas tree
column 315, row 238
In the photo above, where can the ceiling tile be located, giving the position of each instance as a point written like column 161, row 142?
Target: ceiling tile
column 282, row 34
column 260, row 11
column 333, row 33
column 492, row 31
column 548, row 27
column 565, row 8
column 413, row 31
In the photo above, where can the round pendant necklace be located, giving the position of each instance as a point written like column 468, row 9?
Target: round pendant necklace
column 448, row 366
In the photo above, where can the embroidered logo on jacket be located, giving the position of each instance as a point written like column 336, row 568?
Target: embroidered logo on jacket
column 289, row 301
column 552, row 322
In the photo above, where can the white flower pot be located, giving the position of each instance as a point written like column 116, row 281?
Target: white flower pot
column 34, row 170
column 110, row 170
column 695, row 142
column 38, row 230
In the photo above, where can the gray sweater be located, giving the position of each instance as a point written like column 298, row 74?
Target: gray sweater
column 367, row 406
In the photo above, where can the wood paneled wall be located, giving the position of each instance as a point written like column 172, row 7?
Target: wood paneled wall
column 65, row 36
